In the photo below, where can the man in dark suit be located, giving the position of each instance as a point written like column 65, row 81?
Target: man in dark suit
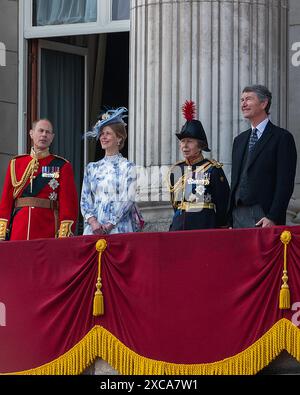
column 263, row 166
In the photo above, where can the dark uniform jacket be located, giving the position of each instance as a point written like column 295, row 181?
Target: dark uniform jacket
column 270, row 171
column 199, row 195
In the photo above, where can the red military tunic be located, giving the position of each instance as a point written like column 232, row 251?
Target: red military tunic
column 51, row 183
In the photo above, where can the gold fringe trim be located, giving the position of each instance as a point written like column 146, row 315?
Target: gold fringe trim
column 100, row 343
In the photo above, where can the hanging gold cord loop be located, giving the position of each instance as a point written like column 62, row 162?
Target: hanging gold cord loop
column 284, row 297
column 28, row 173
column 98, row 305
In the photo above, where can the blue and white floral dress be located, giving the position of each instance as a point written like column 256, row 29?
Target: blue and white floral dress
column 108, row 193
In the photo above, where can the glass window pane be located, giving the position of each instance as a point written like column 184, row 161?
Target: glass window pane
column 62, row 76
column 57, row 12
column 120, row 10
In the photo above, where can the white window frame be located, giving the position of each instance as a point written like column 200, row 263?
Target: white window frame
column 104, row 23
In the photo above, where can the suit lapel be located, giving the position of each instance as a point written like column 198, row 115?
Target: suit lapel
column 259, row 146
column 241, row 148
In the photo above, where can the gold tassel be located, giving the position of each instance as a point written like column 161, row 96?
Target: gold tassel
column 98, row 305
column 284, row 296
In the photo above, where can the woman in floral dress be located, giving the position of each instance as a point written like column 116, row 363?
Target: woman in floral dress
column 109, row 185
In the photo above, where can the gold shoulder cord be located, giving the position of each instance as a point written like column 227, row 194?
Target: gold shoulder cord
column 216, row 164
column 167, row 179
column 28, row 173
column 180, row 184
column 171, row 187
column 182, row 180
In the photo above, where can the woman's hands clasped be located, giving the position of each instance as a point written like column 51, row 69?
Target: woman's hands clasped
column 100, row 229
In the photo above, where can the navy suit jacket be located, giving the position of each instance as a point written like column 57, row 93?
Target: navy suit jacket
column 271, row 170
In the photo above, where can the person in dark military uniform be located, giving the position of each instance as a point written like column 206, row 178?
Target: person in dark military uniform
column 198, row 186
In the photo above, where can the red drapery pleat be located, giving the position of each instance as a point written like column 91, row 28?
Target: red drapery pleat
column 181, row 297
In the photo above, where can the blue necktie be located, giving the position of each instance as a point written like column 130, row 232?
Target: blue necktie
column 253, row 139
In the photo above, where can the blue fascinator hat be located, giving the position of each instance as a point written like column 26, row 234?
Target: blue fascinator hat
column 107, row 117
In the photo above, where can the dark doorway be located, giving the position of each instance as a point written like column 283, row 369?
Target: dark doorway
column 116, row 78
column 52, row 94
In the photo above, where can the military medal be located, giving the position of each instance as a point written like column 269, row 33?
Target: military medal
column 53, row 184
column 200, row 189
column 53, row 196
column 50, row 171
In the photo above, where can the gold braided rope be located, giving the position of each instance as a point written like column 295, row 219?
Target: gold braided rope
column 284, row 296
column 28, row 173
column 98, row 304
column 182, row 180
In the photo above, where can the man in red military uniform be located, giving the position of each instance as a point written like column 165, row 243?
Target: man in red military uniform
column 39, row 198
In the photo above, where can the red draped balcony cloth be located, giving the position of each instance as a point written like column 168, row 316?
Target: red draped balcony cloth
column 195, row 302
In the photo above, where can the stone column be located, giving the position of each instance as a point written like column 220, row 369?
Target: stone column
column 294, row 99
column 206, row 51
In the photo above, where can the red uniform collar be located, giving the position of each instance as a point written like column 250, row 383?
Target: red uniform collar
column 197, row 159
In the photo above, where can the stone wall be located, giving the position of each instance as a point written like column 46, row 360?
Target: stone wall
column 8, row 83
column 293, row 104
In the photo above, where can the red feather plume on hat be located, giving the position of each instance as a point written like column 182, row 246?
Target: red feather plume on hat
column 189, row 110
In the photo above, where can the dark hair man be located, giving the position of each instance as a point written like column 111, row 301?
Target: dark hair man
column 263, row 165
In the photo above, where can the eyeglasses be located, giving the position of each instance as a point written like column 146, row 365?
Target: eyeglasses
column 48, row 132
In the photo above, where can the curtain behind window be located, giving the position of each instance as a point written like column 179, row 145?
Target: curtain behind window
column 56, row 12
column 120, row 10
column 62, row 102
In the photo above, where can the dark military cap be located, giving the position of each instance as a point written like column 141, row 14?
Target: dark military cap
column 192, row 128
